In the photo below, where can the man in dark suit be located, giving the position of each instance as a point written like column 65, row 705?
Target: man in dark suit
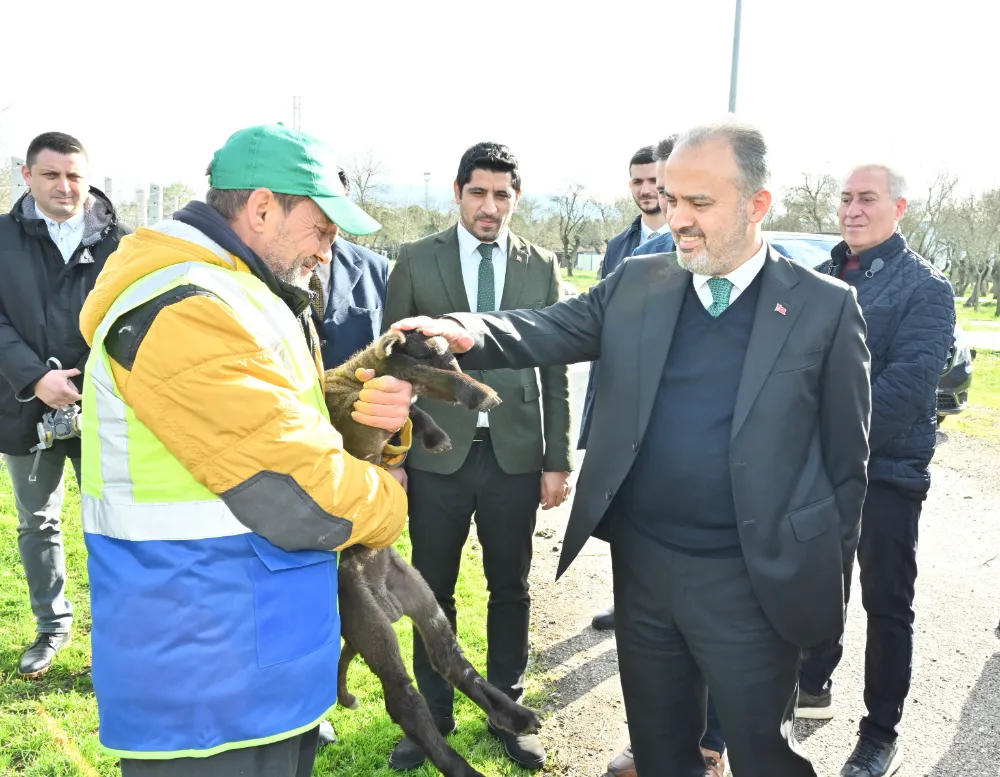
column 727, row 462
column 501, row 465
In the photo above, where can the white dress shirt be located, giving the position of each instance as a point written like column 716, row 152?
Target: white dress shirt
column 741, row 277
column 67, row 236
column 646, row 231
column 468, row 251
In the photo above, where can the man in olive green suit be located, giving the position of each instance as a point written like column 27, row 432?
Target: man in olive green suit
column 502, row 464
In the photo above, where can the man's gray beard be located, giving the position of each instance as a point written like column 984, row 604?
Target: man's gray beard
column 290, row 275
column 704, row 264
column 720, row 261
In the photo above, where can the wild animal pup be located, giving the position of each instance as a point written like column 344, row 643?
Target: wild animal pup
column 377, row 587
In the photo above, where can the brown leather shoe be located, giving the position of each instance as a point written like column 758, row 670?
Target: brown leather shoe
column 623, row 765
column 715, row 763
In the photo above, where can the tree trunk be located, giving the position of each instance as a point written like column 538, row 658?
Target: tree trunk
column 566, row 256
column 977, row 285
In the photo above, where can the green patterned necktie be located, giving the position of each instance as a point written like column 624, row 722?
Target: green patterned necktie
column 486, row 299
column 721, row 288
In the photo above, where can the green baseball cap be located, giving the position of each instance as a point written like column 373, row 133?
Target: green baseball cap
column 288, row 161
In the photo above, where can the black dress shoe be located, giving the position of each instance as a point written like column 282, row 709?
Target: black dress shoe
column 407, row 755
column 523, row 749
column 872, row 758
column 605, row 619
column 37, row 659
column 327, row 734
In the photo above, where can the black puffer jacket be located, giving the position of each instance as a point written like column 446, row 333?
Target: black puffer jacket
column 41, row 297
column 909, row 308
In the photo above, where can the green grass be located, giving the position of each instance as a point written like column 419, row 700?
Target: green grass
column 48, row 726
column 982, row 417
column 983, row 319
column 582, row 279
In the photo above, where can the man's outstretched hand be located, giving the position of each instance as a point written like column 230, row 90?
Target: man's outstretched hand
column 458, row 336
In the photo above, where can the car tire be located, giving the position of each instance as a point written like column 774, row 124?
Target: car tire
column 941, row 419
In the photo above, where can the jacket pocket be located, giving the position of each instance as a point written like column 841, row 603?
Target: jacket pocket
column 798, row 361
column 295, row 600
column 813, row 520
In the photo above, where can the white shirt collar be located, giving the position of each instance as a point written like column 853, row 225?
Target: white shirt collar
column 645, row 231
column 468, row 244
column 743, row 275
column 74, row 222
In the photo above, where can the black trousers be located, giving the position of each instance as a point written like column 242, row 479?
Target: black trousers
column 685, row 624
column 441, row 510
column 887, row 561
column 292, row 757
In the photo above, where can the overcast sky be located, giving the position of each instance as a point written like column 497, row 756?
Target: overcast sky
column 572, row 88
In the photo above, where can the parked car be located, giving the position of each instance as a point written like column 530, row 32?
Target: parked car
column 812, row 250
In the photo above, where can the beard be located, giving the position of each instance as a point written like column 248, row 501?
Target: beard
column 649, row 207
column 290, row 274
column 720, row 255
column 289, row 271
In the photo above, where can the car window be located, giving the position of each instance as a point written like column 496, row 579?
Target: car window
column 810, row 252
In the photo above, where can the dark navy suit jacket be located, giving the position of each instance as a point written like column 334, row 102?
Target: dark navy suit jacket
column 355, row 282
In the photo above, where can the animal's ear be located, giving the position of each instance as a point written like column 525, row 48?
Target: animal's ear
column 388, row 342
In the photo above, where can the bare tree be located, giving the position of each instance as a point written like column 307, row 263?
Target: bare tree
column 367, row 179
column 810, row 206
column 610, row 219
column 572, row 211
column 971, row 230
column 922, row 222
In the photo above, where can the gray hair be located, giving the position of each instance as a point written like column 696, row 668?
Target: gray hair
column 230, row 202
column 897, row 183
column 749, row 148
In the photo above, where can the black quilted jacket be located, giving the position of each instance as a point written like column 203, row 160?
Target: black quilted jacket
column 909, row 308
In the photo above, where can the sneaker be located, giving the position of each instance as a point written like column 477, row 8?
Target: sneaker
column 37, row 659
column 872, row 758
column 811, row 707
column 327, row 735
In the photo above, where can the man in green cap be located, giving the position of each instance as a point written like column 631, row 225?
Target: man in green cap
column 216, row 493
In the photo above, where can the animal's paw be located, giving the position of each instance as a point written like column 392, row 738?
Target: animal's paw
column 442, row 447
column 348, row 700
column 476, row 396
column 517, row 719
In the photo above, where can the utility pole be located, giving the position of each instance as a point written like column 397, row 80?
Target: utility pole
column 427, row 191
column 736, row 57
column 296, row 112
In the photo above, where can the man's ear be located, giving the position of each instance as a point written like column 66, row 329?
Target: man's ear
column 900, row 208
column 759, row 205
column 26, row 175
column 458, row 194
column 259, row 207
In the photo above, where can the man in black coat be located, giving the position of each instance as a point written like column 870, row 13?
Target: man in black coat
column 727, row 462
column 53, row 245
column 909, row 308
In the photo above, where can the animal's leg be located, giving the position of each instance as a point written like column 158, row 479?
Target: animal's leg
column 445, row 653
column 432, row 436
column 370, row 632
column 454, row 387
column 344, row 697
